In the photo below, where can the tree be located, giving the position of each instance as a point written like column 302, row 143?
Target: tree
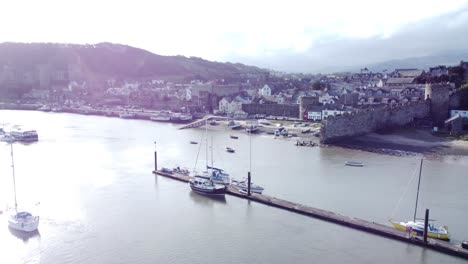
column 463, row 93
column 317, row 85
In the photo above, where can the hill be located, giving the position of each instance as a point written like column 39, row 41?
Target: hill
column 106, row 60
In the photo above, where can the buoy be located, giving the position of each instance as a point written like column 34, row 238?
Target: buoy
column 464, row 244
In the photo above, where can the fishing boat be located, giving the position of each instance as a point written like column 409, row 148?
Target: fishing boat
column 242, row 185
column 354, row 164
column 21, row 221
column 416, row 227
column 25, row 136
column 230, row 150
column 206, row 186
column 234, row 137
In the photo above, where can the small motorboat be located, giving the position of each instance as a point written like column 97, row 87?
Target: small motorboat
column 193, row 142
column 234, row 137
column 242, row 186
column 354, row 164
column 166, row 170
column 178, row 170
column 230, row 150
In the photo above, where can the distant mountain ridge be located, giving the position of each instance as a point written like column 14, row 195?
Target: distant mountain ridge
column 448, row 58
column 107, row 60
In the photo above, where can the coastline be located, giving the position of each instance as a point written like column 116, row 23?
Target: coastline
column 406, row 142
column 403, row 142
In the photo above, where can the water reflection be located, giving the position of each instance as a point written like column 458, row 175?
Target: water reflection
column 25, row 236
column 207, row 200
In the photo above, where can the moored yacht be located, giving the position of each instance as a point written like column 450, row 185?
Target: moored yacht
column 417, row 228
column 202, row 185
column 219, row 176
column 23, row 221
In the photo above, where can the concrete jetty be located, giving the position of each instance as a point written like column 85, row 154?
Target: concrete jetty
column 203, row 121
column 352, row 222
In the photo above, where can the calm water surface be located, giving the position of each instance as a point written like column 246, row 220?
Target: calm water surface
column 99, row 202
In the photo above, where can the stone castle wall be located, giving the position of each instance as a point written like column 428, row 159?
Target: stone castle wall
column 366, row 121
column 272, row 109
column 440, row 100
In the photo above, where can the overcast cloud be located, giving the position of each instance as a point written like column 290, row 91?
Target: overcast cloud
column 293, row 35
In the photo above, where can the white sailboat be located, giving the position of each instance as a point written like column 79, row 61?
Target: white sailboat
column 416, row 227
column 212, row 181
column 21, row 221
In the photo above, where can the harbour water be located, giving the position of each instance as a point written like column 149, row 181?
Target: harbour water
column 99, row 202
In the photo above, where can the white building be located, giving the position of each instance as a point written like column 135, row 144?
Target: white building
column 333, row 112
column 188, row 94
column 327, row 99
column 265, row 91
column 229, row 106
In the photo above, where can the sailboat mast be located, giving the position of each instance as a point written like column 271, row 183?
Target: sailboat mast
column 417, row 193
column 14, row 181
column 206, row 138
column 250, row 151
column 212, row 151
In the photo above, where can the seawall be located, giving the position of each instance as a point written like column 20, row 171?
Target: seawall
column 365, row 121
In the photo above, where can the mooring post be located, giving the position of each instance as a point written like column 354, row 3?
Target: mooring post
column 248, row 184
column 155, row 158
column 426, row 222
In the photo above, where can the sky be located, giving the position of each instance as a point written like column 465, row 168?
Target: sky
column 293, row 35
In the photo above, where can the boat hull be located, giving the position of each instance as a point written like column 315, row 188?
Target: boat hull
column 354, row 164
column 209, row 192
column 418, row 231
column 29, row 225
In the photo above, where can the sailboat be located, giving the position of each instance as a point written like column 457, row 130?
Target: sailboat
column 21, row 221
column 416, row 227
column 208, row 184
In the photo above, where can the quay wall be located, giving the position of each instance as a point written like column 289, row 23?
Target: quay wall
column 272, row 109
column 361, row 122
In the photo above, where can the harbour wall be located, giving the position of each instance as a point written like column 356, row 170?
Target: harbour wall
column 272, row 109
column 361, row 122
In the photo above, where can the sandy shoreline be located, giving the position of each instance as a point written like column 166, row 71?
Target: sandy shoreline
column 407, row 142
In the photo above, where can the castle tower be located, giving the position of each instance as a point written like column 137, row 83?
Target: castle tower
column 439, row 97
